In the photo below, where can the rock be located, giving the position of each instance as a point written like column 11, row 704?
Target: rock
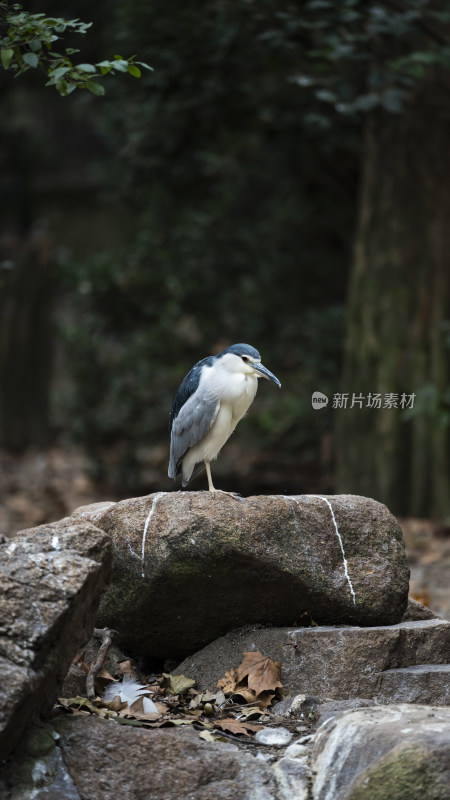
column 52, row 577
column 394, row 752
column 422, row 683
column 93, row 511
column 297, row 750
column 415, row 611
column 107, row 761
column 332, row 708
column 189, row 566
column 332, row 662
column 294, row 779
column 37, row 770
column 298, row 706
column 273, row 737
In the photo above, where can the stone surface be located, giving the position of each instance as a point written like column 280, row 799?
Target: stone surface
column 189, row 566
column 93, row 511
column 423, row 683
column 332, row 708
column 328, row 662
column 300, row 705
column 415, row 611
column 297, row 750
column 294, row 779
column 107, row 761
column 273, row 737
column 397, row 752
column 51, row 579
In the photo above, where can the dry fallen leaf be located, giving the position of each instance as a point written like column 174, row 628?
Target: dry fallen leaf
column 256, row 680
column 265, row 699
column 228, row 682
column 116, row 704
column 262, row 672
column 138, row 711
column 254, row 712
column 207, row 736
column 77, row 704
column 178, row 683
column 235, row 726
column 104, row 675
column 247, row 695
column 125, row 668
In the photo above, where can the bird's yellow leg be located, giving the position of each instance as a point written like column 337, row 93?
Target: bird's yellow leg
column 208, row 472
column 212, row 488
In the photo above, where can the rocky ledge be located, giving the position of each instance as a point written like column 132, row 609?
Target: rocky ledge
column 189, row 566
column 51, row 579
column 203, row 579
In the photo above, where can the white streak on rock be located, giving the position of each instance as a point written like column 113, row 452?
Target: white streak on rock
column 133, row 552
column 55, row 543
column 341, row 546
column 147, row 522
column 337, row 534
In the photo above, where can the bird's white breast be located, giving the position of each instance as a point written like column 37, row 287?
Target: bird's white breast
column 235, row 392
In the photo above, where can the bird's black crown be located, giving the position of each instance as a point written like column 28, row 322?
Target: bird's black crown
column 241, row 350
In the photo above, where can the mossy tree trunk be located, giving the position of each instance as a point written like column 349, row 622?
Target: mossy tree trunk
column 397, row 307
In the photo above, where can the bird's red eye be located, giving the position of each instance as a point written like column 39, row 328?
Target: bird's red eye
column 244, row 358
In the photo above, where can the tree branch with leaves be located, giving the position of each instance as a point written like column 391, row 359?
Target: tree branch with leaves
column 27, row 42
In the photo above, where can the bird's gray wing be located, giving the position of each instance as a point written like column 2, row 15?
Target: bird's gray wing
column 190, row 425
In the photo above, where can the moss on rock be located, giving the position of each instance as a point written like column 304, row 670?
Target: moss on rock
column 405, row 773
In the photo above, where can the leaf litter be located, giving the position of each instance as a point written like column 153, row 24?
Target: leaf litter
column 244, row 693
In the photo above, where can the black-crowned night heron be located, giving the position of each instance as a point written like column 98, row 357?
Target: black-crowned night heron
column 211, row 400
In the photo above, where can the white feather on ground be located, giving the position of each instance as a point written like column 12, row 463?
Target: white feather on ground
column 129, row 691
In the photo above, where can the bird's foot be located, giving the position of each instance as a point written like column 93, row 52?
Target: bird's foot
column 234, row 495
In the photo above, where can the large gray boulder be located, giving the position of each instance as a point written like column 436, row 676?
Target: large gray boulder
column 51, row 579
column 341, row 662
column 99, row 759
column 393, row 752
column 190, row 566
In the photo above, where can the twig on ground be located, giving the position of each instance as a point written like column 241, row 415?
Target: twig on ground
column 106, row 635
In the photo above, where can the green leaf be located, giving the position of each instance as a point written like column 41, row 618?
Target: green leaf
column 135, row 71
column 6, row 56
column 120, row 65
column 95, row 88
column 56, row 74
column 86, row 68
column 31, row 59
column 146, row 66
column 35, row 45
column 61, row 86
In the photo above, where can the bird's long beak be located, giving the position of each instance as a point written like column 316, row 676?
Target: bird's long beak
column 266, row 373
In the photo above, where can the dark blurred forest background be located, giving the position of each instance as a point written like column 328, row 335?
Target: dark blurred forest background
column 281, row 178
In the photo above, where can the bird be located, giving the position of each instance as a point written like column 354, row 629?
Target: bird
column 208, row 405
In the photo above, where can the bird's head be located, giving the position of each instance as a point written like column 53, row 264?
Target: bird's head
column 245, row 359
